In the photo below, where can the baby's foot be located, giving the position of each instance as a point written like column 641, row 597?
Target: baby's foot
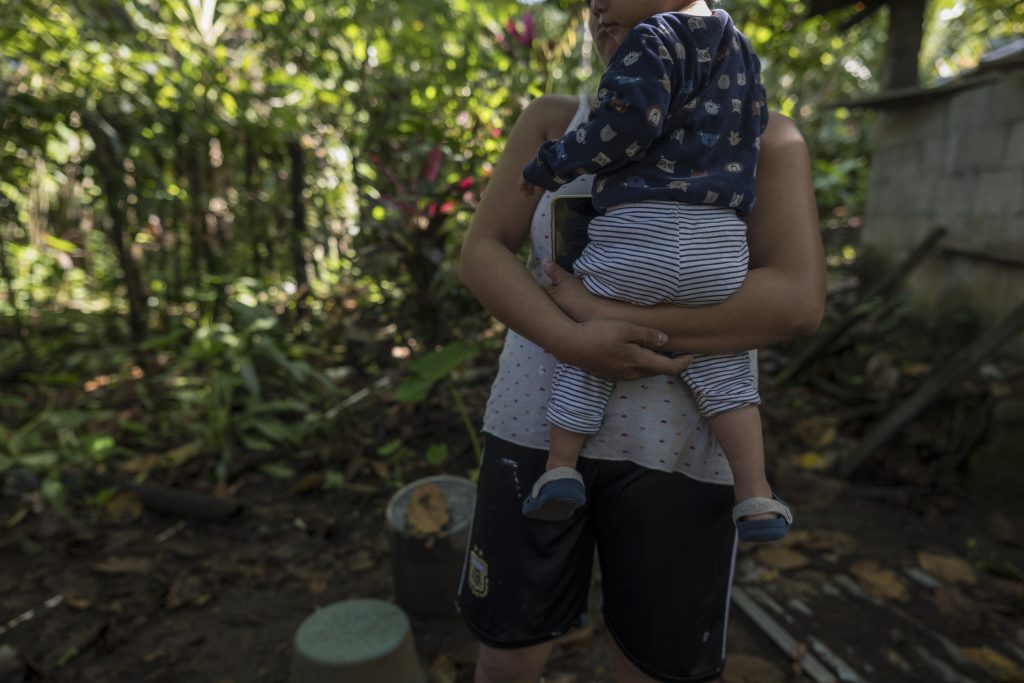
column 556, row 495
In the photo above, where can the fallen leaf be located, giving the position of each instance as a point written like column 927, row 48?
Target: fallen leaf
column 897, row 660
column 1014, row 590
column 881, row 373
column 817, row 433
column 443, row 670
column 123, row 565
column 814, row 461
column 381, row 469
column 311, row 482
column 780, row 557
column 15, row 519
column 354, row 466
column 994, row 664
column 79, row 591
column 428, row 510
column 751, row 669
column 577, row 638
column 956, row 606
column 123, row 508
column 915, row 369
column 361, row 561
column 821, row 540
column 183, row 453
column 1003, row 529
column 142, row 464
column 947, row 568
column 186, row 589
column 878, row 581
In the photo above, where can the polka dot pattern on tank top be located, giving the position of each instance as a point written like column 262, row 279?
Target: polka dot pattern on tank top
column 653, row 423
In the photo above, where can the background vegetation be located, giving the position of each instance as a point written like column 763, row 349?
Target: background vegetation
column 222, row 223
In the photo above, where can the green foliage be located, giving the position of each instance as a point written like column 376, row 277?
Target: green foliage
column 248, row 386
column 208, row 206
column 427, row 371
column 959, row 33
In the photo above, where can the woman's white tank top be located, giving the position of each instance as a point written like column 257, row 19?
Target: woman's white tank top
column 653, row 422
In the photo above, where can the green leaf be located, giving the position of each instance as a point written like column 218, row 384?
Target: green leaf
column 164, row 341
column 39, row 462
column 413, row 389
column 390, row 448
column 275, row 430
column 333, row 480
column 250, row 378
column 288, row 405
column 54, row 492
column 100, row 447
column 277, row 470
column 255, row 442
column 439, row 364
column 437, row 454
column 59, row 244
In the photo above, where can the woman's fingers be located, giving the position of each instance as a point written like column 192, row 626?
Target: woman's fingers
column 621, row 350
column 555, row 272
column 568, row 292
column 652, row 363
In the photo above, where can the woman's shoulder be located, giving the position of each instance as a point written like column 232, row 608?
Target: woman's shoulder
column 552, row 113
column 781, row 131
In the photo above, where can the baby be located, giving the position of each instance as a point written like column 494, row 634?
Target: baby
column 673, row 142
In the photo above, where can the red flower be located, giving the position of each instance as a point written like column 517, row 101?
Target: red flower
column 432, row 165
column 526, row 35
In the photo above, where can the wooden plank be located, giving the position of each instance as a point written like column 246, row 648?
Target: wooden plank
column 846, row 673
column 859, row 312
column 949, row 647
column 953, row 371
column 781, row 637
column 945, row 673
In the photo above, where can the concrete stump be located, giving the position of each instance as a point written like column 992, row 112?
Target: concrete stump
column 356, row 641
column 426, row 569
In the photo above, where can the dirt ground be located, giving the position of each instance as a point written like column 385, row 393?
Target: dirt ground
column 880, row 580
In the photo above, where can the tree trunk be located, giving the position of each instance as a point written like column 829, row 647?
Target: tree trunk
column 19, row 330
column 903, row 46
column 255, row 235
column 298, row 170
column 109, row 161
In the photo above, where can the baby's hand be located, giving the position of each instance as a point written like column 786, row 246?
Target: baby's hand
column 526, row 187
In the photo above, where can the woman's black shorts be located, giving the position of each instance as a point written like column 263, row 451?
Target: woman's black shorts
column 666, row 545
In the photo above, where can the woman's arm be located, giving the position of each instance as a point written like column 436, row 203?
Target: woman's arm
column 784, row 292
column 491, row 270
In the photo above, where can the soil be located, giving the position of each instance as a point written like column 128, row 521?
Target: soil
column 897, row 580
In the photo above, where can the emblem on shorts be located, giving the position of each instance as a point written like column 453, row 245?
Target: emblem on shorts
column 477, row 573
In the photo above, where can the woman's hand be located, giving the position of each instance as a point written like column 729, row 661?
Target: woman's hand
column 618, row 350
column 569, row 293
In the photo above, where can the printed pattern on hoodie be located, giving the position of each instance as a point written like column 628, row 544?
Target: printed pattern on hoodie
column 679, row 117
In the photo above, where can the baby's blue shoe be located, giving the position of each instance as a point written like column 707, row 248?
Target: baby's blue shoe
column 762, row 529
column 556, row 495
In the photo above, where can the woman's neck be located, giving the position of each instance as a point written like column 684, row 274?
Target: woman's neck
column 697, row 8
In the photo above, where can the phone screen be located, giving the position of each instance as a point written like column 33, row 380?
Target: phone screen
column 570, row 216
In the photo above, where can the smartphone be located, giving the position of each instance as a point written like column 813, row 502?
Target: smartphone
column 570, row 216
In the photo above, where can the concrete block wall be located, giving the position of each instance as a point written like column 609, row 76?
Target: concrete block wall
column 955, row 160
